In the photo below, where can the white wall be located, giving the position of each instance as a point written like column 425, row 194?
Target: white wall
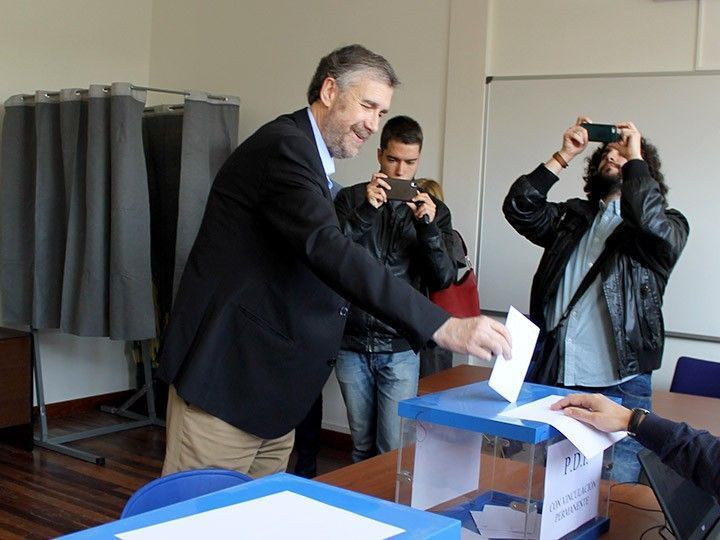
column 50, row 45
column 266, row 51
column 582, row 36
column 464, row 114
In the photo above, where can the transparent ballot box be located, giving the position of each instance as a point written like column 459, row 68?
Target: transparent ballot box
column 500, row 476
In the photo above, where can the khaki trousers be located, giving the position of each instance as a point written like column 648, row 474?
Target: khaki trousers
column 198, row 440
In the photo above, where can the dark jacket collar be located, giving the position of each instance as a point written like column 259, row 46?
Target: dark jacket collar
column 300, row 117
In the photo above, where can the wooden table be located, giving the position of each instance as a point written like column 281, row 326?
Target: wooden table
column 376, row 476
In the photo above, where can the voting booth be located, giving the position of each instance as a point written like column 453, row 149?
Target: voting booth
column 462, row 457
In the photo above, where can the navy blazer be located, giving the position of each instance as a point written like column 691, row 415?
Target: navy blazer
column 261, row 306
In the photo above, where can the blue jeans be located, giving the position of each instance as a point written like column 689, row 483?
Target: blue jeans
column 637, row 392
column 372, row 384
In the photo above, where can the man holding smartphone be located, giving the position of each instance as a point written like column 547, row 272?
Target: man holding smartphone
column 612, row 339
column 411, row 234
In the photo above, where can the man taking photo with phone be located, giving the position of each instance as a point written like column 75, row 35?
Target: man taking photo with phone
column 609, row 336
column 411, row 234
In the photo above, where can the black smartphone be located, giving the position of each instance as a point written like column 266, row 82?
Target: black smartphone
column 604, row 133
column 401, row 190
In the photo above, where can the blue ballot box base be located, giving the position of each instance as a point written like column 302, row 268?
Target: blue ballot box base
column 588, row 531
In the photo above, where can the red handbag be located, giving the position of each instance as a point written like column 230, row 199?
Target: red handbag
column 461, row 299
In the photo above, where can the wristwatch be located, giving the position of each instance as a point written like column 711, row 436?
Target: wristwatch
column 638, row 414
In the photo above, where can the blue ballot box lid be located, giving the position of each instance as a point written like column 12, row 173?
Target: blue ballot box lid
column 477, row 407
column 417, row 524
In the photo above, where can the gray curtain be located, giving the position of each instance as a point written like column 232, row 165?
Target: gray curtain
column 33, row 211
column 209, row 135
column 75, row 116
column 74, row 189
column 132, row 314
column 17, row 210
column 107, row 288
column 50, row 213
column 75, row 232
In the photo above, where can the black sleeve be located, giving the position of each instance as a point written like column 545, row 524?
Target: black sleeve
column 659, row 235
column 693, row 453
column 356, row 215
column 436, row 245
column 527, row 209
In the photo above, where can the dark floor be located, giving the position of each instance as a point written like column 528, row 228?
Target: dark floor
column 44, row 494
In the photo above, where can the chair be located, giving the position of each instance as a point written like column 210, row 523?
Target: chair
column 697, row 377
column 180, row 486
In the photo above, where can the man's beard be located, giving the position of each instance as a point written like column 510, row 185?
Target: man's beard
column 339, row 150
column 601, row 185
column 337, row 144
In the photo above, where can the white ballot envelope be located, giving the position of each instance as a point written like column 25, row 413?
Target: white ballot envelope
column 508, row 375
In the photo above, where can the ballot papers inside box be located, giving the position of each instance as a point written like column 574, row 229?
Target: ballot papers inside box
column 500, row 476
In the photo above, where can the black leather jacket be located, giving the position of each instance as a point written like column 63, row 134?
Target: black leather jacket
column 646, row 247
column 413, row 251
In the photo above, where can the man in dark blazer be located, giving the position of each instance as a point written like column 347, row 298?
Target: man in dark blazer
column 260, row 310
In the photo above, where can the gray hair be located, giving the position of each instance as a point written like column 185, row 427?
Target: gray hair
column 346, row 64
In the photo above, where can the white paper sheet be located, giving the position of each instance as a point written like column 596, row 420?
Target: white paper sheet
column 504, row 522
column 586, row 438
column 278, row 516
column 447, row 464
column 508, row 375
column 572, row 490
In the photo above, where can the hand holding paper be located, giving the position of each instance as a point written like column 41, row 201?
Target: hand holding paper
column 508, row 374
column 596, row 410
column 481, row 336
column 587, row 439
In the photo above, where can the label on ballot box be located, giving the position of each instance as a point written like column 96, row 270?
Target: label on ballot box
column 572, row 489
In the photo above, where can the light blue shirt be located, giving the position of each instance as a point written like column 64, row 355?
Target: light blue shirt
column 327, row 160
column 589, row 350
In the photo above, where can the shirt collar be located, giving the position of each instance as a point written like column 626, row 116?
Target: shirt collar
column 327, row 160
column 613, row 205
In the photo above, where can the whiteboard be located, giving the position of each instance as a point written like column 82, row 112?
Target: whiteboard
column 679, row 113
